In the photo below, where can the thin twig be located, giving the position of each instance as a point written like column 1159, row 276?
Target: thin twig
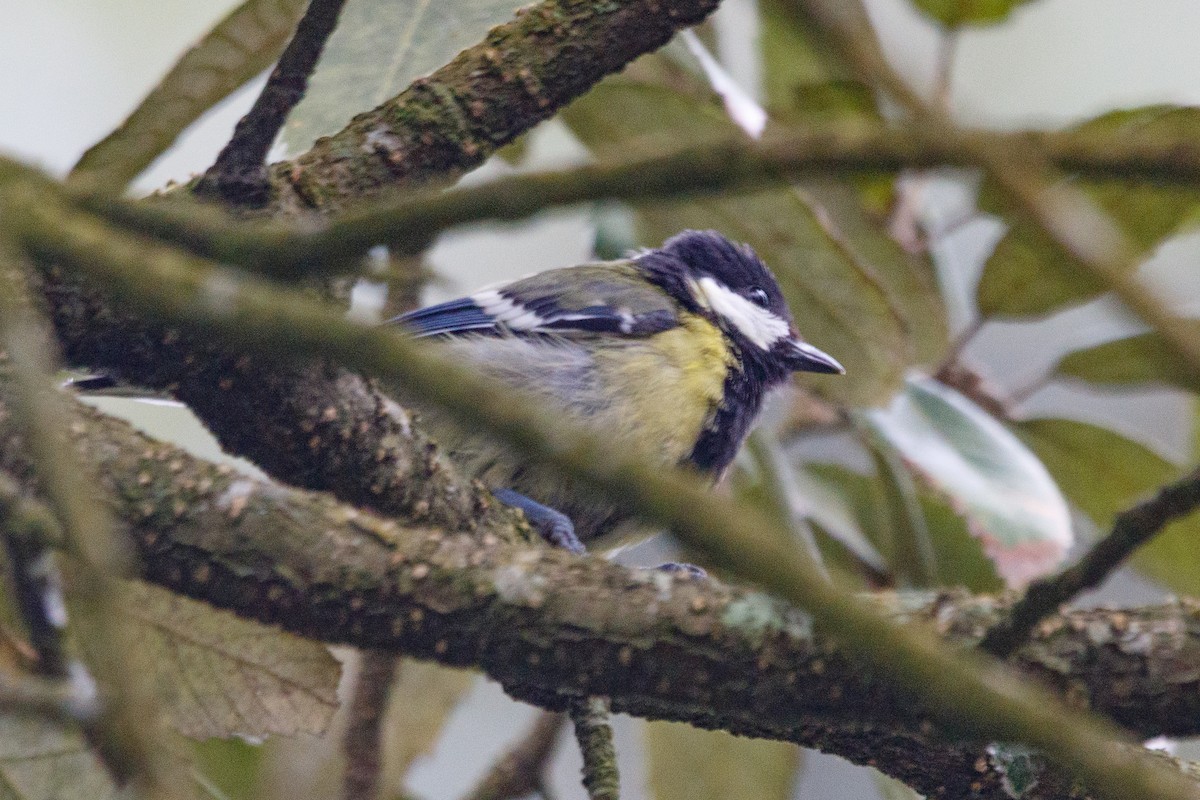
column 521, row 771
column 960, row 343
column 239, row 175
column 593, row 731
column 1077, row 226
column 411, row 222
column 363, row 740
column 1132, row 529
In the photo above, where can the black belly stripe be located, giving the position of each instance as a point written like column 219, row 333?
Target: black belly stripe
column 719, row 443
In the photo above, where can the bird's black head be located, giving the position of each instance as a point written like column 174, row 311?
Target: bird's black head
column 730, row 285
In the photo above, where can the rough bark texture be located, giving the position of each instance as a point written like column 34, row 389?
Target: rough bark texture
column 319, row 427
column 452, row 120
column 553, row 628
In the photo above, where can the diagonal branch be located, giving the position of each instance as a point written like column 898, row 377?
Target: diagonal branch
column 410, row 223
column 453, row 119
column 239, row 175
column 1132, row 529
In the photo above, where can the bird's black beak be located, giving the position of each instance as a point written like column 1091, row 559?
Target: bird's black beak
column 803, row 357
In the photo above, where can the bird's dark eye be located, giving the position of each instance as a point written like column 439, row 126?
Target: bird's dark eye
column 758, row 296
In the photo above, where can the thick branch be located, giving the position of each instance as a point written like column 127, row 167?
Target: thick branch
column 659, row 647
column 452, row 120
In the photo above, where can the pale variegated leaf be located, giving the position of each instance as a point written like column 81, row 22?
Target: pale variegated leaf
column 987, row 474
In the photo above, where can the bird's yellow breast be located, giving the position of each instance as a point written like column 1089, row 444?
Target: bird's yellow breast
column 672, row 383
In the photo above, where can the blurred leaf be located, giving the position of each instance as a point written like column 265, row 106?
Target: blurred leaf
column 422, row 699
column 908, row 279
column 239, row 47
column 231, row 765
column 959, row 557
column 41, row 761
column 1028, row 274
column 378, row 49
column 820, row 504
column 687, row 763
column 1145, row 358
column 840, row 303
column 953, row 13
column 1008, row 498
column 1104, row 473
column 221, row 675
column 805, row 85
column 914, row 562
column 795, row 60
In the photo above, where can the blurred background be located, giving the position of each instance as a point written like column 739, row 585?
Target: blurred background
column 71, row 69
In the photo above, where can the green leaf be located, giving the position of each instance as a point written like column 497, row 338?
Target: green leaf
column 232, row 766
column 221, row 675
column 914, row 562
column 239, row 47
column 1104, row 473
column 1028, row 274
column 1002, row 489
column 807, row 85
column 953, row 13
column 841, row 303
column 796, row 61
column 959, row 557
column 378, row 49
column 687, row 763
column 41, row 761
column 1142, row 359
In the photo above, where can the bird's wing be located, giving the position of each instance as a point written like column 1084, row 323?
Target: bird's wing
column 611, row 298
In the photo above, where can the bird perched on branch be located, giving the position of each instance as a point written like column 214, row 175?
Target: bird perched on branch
column 671, row 351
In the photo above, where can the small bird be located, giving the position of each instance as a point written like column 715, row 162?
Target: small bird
column 671, row 350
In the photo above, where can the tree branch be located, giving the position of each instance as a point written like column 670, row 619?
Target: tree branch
column 693, row 651
column 1132, row 529
column 409, row 223
column 452, row 120
column 239, row 175
column 363, row 740
column 521, row 771
column 236, row 49
column 592, row 720
column 123, row 732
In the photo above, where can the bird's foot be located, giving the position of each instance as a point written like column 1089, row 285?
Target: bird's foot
column 552, row 525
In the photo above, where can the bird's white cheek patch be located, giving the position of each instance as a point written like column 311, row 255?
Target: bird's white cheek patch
column 756, row 323
column 504, row 310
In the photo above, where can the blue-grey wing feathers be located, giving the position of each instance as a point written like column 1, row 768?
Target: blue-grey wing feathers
column 609, row 298
column 454, row 316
